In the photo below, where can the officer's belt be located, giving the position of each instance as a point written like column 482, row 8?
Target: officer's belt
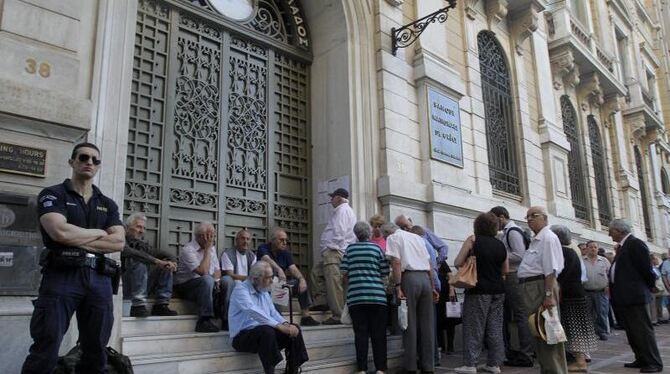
column 78, row 256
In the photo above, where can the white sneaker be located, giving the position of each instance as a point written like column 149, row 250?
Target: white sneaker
column 466, row 370
column 489, row 369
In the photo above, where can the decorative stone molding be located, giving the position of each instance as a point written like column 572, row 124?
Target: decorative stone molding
column 614, row 104
column 564, row 69
column 590, row 89
column 395, row 3
column 496, row 10
column 522, row 26
column 470, row 11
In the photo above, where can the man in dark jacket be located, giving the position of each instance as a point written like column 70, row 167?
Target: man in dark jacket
column 139, row 276
column 631, row 280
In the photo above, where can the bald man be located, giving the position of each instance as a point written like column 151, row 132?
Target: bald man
column 537, row 273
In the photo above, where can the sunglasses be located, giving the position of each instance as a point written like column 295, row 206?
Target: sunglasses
column 84, row 158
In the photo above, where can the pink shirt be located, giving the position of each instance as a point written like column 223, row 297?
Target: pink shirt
column 380, row 241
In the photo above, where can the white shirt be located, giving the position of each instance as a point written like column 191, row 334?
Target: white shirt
column 227, row 265
column 597, row 273
column 543, row 257
column 339, row 232
column 410, row 249
column 190, row 258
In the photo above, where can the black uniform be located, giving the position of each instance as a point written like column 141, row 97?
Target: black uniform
column 71, row 283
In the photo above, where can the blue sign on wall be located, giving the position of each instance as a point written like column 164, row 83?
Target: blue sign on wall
column 445, row 128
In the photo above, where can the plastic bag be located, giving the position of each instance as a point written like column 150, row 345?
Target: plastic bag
column 553, row 327
column 402, row 315
column 454, row 309
column 345, row 318
column 280, row 295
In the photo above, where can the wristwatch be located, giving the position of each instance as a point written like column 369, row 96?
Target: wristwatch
column 548, row 293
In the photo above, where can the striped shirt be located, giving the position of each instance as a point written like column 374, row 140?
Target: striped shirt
column 365, row 265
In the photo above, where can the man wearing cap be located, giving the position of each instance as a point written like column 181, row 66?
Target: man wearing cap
column 335, row 239
column 540, row 265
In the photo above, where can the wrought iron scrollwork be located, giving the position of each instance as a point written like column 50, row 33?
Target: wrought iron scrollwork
column 575, row 161
column 643, row 193
column 600, row 172
column 406, row 35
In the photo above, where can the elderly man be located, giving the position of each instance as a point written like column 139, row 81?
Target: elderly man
column 537, row 273
column 631, row 280
column 197, row 273
column 235, row 265
column 438, row 244
column 146, row 269
column 665, row 277
column 257, row 327
column 277, row 254
column 597, row 268
column 515, row 318
column 412, row 278
column 336, row 237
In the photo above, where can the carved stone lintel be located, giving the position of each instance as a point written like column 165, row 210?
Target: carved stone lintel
column 395, row 2
column 496, row 10
column 522, row 26
column 470, row 11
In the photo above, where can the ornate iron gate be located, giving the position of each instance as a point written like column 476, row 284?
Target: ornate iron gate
column 600, row 172
column 218, row 126
column 575, row 161
column 643, row 193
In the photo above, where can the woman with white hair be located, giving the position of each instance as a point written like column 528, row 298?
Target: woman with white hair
column 363, row 268
column 576, row 316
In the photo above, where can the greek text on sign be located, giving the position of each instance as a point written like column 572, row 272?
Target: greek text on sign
column 445, row 128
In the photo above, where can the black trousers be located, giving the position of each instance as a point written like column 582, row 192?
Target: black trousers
column 267, row 342
column 640, row 334
column 369, row 322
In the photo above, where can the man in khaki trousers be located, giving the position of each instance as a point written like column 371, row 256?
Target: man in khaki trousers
column 336, row 237
column 537, row 273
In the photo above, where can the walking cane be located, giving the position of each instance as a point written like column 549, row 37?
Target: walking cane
column 290, row 302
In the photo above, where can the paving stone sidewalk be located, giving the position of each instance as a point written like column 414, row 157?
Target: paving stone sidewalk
column 609, row 358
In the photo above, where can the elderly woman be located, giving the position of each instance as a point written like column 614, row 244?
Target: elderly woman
column 576, row 317
column 376, row 222
column 363, row 267
column 483, row 304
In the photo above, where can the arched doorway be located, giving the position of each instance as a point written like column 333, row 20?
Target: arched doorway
column 219, row 123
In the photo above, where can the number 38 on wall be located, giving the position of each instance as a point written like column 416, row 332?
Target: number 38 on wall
column 43, row 68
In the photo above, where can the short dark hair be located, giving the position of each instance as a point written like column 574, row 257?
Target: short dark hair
column 500, row 211
column 486, row 224
column 83, row 145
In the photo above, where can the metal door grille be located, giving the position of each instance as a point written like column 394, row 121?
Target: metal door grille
column 643, row 192
column 219, row 127
column 600, row 172
column 575, row 161
column 497, row 97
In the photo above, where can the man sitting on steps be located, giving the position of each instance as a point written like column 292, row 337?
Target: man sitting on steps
column 146, row 269
column 235, row 264
column 257, row 327
column 277, row 254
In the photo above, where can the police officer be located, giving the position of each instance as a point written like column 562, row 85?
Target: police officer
column 79, row 225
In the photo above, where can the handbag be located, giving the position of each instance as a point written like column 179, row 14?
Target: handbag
column 466, row 276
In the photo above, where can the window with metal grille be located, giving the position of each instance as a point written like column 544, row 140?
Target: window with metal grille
column 600, row 172
column 575, row 160
column 665, row 185
column 498, row 111
column 643, row 192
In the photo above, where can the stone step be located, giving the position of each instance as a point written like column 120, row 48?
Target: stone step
column 182, row 324
column 183, row 306
column 324, row 355
column 192, row 342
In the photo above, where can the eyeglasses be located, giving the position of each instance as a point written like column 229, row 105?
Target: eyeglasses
column 84, row 158
column 533, row 216
column 282, row 240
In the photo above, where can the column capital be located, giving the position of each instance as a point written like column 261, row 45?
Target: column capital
column 564, row 68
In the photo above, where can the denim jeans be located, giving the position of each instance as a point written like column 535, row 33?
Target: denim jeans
column 139, row 279
column 600, row 307
column 199, row 290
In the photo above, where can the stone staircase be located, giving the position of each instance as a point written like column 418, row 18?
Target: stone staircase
column 169, row 345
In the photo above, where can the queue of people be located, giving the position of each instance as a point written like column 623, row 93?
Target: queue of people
column 366, row 269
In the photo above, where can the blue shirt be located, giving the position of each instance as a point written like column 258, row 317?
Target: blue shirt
column 250, row 308
column 433, row 263
column 437, row 243
column 284, row 258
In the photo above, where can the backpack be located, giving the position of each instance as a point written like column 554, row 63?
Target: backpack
column 524, row 234
column 116, row 362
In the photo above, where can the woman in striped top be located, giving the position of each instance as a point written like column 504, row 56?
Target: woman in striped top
column 363, row 268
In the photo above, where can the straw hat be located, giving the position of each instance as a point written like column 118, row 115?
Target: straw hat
column 536, row 324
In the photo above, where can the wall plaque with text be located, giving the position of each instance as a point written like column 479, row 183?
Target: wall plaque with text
column 18, row 159
column 445, row 128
